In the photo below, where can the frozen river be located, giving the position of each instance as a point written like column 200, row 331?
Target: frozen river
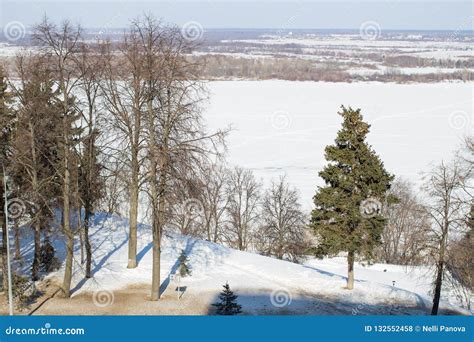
column 282, row 127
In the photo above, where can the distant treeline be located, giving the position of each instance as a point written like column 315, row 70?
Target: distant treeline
column 297, row 69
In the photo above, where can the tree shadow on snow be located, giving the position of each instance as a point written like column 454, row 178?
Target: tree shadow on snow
column 143, row 252
column 265, row 302
column 187, row 250
column 420, row 301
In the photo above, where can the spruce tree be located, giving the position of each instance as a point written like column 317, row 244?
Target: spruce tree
column 347, row 215
column 227, row 305
column 35, row 145
column 184, row 269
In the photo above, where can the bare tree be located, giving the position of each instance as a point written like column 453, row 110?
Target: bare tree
column 90, row 182
column 243, row 208
column 282, row 233
column 60, row 44
column 185, row 209
column 116, row 184
column 199, row 203
column 174, row 133
column 447, row 212
column 215, row 199
column 123, row 90
column 408, row 223
column 460, row 258
column 460, row 268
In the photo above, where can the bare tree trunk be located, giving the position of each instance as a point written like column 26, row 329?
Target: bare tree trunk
column 17, row 241
column 155, row 283
column 437, row 291
column 4, row 254
column 37, row 222
column 158, row 203
column 350, row 270
column 132, row 242
column 81, row 241
column 208, row 228
column 216, row 232
column 88, row 214
column 4, row 234
column 158, row 190
column 439, row 274
column 67, row 228
column 37, row 254
column 79, row 227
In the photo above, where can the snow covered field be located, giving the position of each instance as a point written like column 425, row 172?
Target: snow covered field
column 264, row 285
column 282, row 127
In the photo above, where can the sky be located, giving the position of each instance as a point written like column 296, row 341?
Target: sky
column 287, row 14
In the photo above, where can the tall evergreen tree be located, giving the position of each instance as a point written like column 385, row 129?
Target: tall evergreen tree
column 347, row 215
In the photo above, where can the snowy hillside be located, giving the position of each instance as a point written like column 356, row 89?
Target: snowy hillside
column 264, row 285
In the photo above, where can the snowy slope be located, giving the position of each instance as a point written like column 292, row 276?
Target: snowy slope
column 264, row 285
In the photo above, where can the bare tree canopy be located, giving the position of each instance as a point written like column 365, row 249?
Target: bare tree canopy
column 404, row 236
column 283, row 223
column 447, row 209
column 243, row 208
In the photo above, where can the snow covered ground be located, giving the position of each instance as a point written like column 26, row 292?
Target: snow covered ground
column 282, row 127
column 264, row 285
